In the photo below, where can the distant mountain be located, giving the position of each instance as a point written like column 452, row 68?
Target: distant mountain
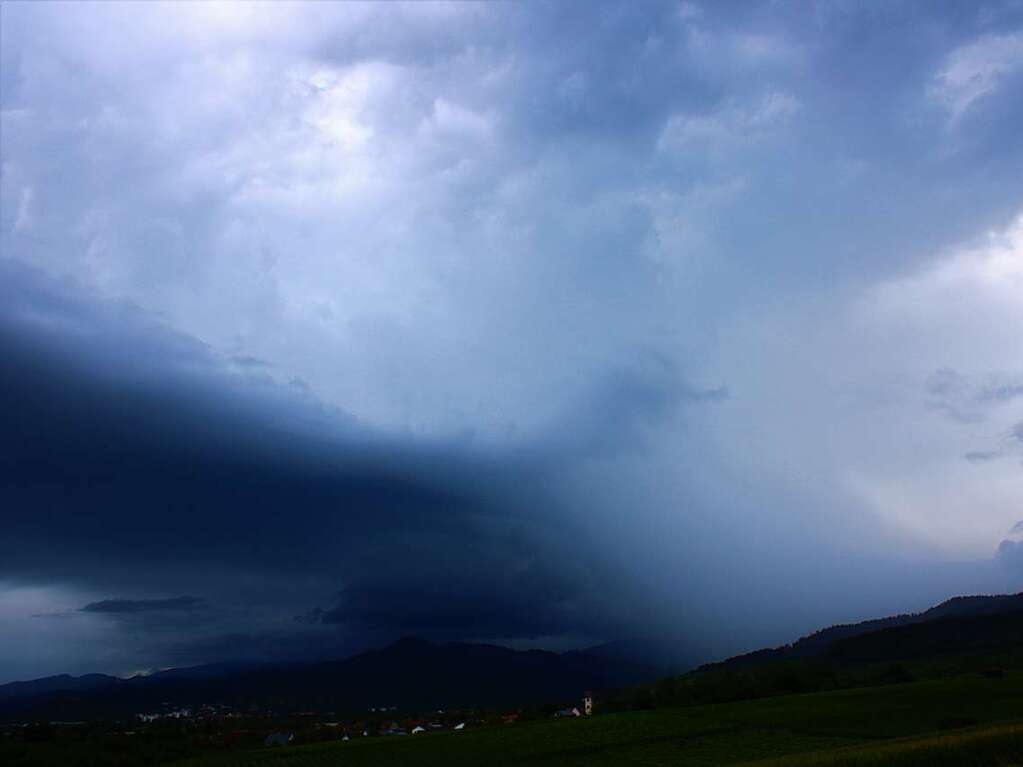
column 410, row 674
column 60, row 683
column 978, row 605
column 827, row 642
column 416, row 674
column 668, row 655
column 67, row 684
column 210, row 670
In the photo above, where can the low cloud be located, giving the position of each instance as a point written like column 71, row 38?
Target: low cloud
column 982, row 456
column 196, row 468
column 132, row 606
column 966, row 399
column 976, row 69
column 1003, row 392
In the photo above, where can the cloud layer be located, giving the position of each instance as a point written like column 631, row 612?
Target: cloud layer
column 542, row 324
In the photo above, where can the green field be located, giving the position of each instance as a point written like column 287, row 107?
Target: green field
column 906, row 724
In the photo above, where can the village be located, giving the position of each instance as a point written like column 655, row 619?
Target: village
column 211, row 727
column 312, row 726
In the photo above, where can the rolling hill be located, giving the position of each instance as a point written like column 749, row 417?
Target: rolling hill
column 823, row 643
column 410, row 674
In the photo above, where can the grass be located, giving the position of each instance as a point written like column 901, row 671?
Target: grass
column 897, row 724
column 997, row 746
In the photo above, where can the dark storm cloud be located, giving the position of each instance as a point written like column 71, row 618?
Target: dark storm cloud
column 443, row 600
column 152, row 463
column 131, row 606
column 439, row 610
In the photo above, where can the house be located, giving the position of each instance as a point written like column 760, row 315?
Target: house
column 278, row 739
column 393, row 729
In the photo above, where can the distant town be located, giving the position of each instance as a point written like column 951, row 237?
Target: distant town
column 213, row 726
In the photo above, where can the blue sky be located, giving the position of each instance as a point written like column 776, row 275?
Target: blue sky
column 543, row 323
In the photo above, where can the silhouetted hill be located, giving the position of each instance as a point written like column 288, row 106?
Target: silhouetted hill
column 59, row 683
column 416, row 674
column 210, row 670
column 820, row 643
column 65, row 684
column 954, row 635
column 409, row 674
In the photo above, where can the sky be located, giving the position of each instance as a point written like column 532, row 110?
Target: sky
column 542, row 324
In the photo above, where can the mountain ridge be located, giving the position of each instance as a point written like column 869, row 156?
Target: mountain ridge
column 410, row 673
column 819, row 642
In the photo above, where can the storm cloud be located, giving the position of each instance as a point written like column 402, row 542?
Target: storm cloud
column 152, row 454
column 543, row 324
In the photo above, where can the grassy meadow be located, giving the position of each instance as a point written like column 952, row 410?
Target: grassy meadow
column 969, row 720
